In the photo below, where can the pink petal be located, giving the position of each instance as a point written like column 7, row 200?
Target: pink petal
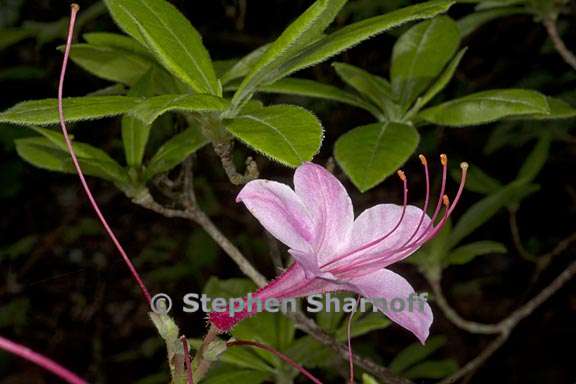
column 377, row 222
column 330, row 208
column 385, row 284
column 281, row 212
column 292, row 283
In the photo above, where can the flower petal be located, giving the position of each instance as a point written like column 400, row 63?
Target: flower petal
column 281, row 212
column 416, row 315
column 377, row 222
column 292, row 283
column 330, row 208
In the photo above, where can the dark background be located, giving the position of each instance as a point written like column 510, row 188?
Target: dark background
column 64, row 291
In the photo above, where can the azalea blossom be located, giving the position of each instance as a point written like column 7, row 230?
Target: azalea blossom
column 333, row 251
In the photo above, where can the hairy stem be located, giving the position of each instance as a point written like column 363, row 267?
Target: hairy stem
column 224, row 151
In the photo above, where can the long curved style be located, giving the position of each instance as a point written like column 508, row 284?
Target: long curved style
column 40, row 360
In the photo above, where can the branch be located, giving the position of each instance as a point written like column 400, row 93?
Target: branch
column 504, row 327
column 454, row 317
column 476, row 362
column 552, row 29
column 199, row 217
column 224, row 151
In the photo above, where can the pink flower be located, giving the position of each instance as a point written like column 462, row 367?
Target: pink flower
column 334, row 251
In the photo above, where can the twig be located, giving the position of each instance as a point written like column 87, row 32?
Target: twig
column 504, row 327
column 476, row 362
column 224, row 151
column 454, row 317
column 200, row 218
column 552, row 29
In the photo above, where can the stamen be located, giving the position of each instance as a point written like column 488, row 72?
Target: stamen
column 404, row 179
column 444, row 159
column 426, row 200
column 444, row 162
column 429, row 233
column 463, row 175
column 401, row 175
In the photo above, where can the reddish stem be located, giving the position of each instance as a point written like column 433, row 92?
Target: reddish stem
column 276, row 353
column 42, row 361
column 187, row 363
column 145, row 293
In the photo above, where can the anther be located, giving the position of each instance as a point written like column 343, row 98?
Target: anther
column 444, row 159
column 464, row 165
column 445, row 200
column 401, row 175
column 423, row 159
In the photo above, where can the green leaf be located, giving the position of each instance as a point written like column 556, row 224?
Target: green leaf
column 110, row 63
column 153, row 107
column 273, row 329
column 245, row 358
column 374, row 88
column 559, row 109
column 11, row 36
column 468, row 252
column 485, row 107
column 477, row 180
column 135, row 133
column 355, row 33
column 229, row 288
column 484, row 209
column 114, row 40
column 174, row 41
column 43, row 153
column 420, row 54
column 45, row 111
column 175, row 151
column 310, row 353
column 244, row 65
column 435, row 369
column 286, row 133
column 370, row 322
column 311, row 88
column 307, row 28
column 330, row 320
column 535, row 160
column 416, row 353
column 231, row 374
column 470, row 23
column 442, row 81
column 370, row 153
column 367, row 379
